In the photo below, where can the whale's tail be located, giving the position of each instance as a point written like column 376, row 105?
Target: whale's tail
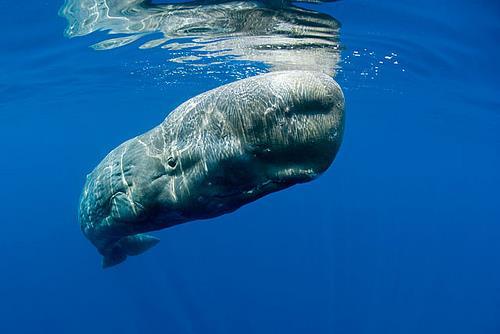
column 128, row 246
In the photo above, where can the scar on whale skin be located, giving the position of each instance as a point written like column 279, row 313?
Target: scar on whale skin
column 213, row 154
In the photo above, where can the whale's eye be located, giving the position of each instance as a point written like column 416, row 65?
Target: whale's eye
column 171, row 162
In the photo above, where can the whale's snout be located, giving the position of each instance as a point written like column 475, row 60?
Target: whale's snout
column 302, row 127
column 272, row 131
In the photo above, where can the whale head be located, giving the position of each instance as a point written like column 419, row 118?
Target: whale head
column 239, row 142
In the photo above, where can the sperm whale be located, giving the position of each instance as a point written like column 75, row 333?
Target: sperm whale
column 213, row 154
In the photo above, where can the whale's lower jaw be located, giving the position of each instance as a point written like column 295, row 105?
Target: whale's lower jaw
column 117, row 249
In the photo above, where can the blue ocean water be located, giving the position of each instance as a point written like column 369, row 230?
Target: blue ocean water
column 400, row 235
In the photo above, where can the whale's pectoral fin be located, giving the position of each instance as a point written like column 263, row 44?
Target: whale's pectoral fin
column 131, row 245
column 138, row 244
column 114, row 257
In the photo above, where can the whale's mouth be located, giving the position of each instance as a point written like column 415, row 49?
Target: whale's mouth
column 259, row 190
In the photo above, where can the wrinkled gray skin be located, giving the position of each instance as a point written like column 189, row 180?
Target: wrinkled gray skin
column 211, row 155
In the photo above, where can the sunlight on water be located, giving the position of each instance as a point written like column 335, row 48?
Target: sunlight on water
column 279, row 35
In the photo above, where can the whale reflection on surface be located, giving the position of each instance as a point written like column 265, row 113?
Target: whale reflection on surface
column 280, row 35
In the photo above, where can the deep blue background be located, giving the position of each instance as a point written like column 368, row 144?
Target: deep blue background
column 401, row 235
